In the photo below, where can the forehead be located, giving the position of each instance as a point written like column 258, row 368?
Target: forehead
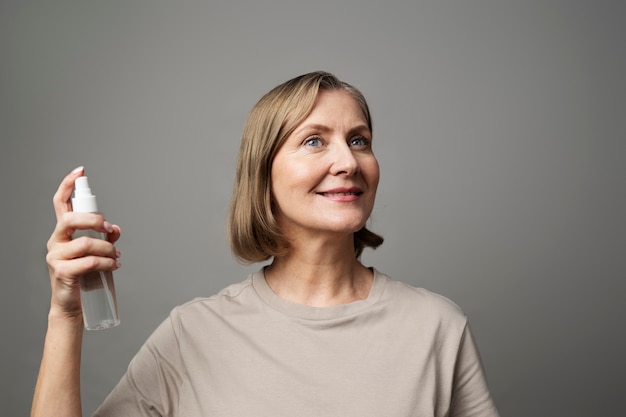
column 336, row 106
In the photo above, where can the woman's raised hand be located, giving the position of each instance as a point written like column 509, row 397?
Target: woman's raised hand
column 68, row 258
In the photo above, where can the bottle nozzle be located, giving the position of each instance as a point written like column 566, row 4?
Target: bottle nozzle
column 84, row 201
column 81, row 187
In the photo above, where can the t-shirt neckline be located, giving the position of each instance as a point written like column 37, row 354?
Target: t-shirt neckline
column 303, row 311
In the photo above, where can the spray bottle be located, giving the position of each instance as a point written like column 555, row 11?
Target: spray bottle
column 97, row 289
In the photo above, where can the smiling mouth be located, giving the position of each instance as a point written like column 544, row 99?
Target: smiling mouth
column 341, row 194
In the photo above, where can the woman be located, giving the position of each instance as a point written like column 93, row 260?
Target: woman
column 315, row 333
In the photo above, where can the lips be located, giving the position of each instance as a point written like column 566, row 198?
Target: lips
column 338, row 194
column 341, row 192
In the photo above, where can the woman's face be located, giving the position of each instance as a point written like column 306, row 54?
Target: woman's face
column 325, row 175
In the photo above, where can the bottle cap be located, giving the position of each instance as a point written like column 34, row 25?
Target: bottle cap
column 83, row 201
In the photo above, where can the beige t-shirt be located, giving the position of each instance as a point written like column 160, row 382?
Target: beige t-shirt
column 246, row 352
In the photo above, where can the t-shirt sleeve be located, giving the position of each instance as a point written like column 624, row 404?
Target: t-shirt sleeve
column 470, row 393
column 150, row 385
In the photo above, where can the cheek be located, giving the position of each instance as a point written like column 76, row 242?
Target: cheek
column 286, row 180
column 293, row 175
column 371, row 172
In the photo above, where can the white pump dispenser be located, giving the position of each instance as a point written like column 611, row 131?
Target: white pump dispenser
column 97, row 288
column 84, row 201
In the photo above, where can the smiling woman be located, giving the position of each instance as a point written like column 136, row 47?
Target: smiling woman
column 254, row 232
column 315, row 332
column 325, row 175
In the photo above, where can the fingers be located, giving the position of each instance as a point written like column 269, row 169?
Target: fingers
column 72, row 269
column 68, row 257
column 61, row 199
column 84, row 246
column 79, row 256
column 69, row 222
column 64, row 279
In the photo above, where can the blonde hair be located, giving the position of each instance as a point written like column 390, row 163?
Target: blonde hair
column 253, row 230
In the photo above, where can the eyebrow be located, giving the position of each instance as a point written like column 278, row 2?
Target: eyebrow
column 324, row 128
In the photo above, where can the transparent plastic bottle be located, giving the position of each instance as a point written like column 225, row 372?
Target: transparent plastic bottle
column 97, row 288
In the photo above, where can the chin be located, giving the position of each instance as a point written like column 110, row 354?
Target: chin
column 347, row 227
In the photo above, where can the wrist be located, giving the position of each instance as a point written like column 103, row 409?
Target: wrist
column 57, row 317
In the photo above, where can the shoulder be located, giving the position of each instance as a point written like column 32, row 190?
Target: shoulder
column 419, row 301
column 230, row 299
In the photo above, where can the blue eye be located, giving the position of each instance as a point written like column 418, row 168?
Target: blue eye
column 359, row 141
column 313, row 141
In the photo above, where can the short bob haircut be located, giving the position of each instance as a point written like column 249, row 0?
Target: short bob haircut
column 254, row 233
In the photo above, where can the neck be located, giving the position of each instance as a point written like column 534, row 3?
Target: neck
column 321, row 274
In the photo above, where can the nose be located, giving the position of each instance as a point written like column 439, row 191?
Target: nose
column 343, row 160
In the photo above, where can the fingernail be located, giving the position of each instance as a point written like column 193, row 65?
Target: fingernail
column 77, row 169
column 108, row 227
column 117, row 265
column 117, row 253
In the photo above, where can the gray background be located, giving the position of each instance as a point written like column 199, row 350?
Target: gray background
column 499, row 127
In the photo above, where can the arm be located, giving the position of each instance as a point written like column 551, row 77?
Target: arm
column 58, row 385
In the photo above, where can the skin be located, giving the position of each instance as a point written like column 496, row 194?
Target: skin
column 324, row 181
column 58, row 385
